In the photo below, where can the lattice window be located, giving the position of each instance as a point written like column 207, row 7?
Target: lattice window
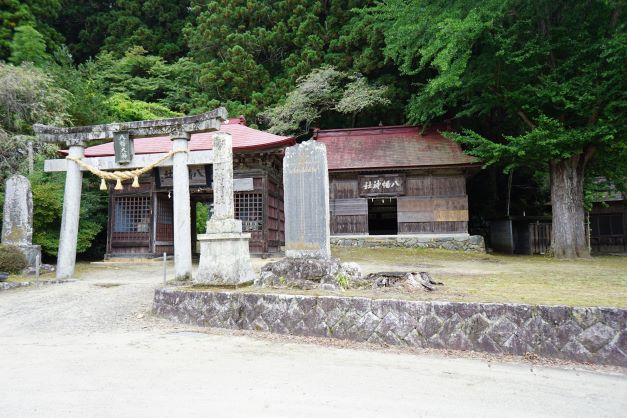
column 249, row 209
column 165, row 218
column 131, row 218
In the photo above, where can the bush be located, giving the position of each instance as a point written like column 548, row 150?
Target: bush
column 12, row 260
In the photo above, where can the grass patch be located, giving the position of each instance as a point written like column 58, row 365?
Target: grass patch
column 598, row 281
column 473, row 277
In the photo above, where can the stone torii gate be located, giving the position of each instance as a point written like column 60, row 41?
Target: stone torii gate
column 76, row 138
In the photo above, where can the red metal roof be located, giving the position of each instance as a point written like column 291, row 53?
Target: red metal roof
column 244, row 138
column 390, row 147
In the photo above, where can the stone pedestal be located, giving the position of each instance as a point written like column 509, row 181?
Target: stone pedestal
column 225, row 259
column 224, row 254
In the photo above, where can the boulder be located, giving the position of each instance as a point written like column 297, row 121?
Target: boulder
column 308, row 273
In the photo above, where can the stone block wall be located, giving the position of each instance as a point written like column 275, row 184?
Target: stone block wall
column 595, row 335
column 460, row 243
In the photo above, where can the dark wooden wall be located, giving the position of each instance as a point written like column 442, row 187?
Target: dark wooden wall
column 349, row 211
column 265, row 170
column 603, row 240
column 433, row 203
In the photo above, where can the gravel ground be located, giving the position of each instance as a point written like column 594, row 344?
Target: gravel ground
column 92, row 348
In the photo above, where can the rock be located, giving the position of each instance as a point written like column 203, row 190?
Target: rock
column 308, row 273
column 405, row 280
column 312, row 272
column 597, row 336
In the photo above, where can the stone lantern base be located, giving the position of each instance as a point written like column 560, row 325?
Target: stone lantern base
column 224, row 255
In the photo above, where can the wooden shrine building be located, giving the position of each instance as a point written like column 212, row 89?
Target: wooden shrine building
column 391, row 180
column 395, row 180
column 140, row 221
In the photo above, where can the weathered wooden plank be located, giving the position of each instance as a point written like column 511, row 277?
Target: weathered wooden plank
column 415, row 216
column 450, row 215
column 357, row 206
column 448, row 185
column 419, row 186
column 343, row 224
column 436, row 186
column 432, row 227
column 344, row 189
column 425, row 204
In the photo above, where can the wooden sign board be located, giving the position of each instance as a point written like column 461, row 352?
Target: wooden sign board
column 123, row 146
column 382, row 185
column 199, row 175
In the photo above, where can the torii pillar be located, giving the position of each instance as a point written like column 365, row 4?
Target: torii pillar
column 178, row 129
column 68, row 238
column 181, row 206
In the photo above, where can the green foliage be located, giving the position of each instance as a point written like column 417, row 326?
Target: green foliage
column 546, row 72
column 343, row 281
column 539, row 84
column 324, row 89
column 48, row 191
column 38, row 14
column 27, row 96
column 28, row 45
column 12, row 260
column 91, row 27
column 122, row 108
column 202, row 215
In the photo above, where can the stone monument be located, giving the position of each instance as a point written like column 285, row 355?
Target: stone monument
column 306, row 201
column 224, row 254
column 17, row 223
column 308, row 264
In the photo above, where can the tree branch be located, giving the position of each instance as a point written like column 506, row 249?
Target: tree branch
column 588, row 153
column 525, row 119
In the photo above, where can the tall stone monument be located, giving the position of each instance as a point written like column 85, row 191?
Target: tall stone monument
column 224, row 254
column 306, row 201
column 17, row 222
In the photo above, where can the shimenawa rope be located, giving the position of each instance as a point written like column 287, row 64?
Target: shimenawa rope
column 120, row 176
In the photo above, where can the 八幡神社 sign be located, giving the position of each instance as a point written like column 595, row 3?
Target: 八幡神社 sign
column 382, row 185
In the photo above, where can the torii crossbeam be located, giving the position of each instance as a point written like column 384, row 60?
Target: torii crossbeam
column 178, row 129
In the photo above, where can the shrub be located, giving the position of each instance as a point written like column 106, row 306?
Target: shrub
column 12, row 259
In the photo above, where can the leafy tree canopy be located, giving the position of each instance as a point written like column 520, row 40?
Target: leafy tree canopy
column 549, row 74
column 323, row 90
column 38, row 14
column 28, row 45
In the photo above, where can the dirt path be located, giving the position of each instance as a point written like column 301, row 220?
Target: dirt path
column 91, row 348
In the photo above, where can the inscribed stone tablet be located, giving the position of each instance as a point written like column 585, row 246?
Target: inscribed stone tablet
column 306, row 189
column 17, row 223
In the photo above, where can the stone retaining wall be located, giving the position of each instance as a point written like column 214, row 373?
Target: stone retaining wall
column 596, row 335
column 448, row 242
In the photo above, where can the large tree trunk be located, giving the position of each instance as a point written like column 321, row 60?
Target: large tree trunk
column 568, row 237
